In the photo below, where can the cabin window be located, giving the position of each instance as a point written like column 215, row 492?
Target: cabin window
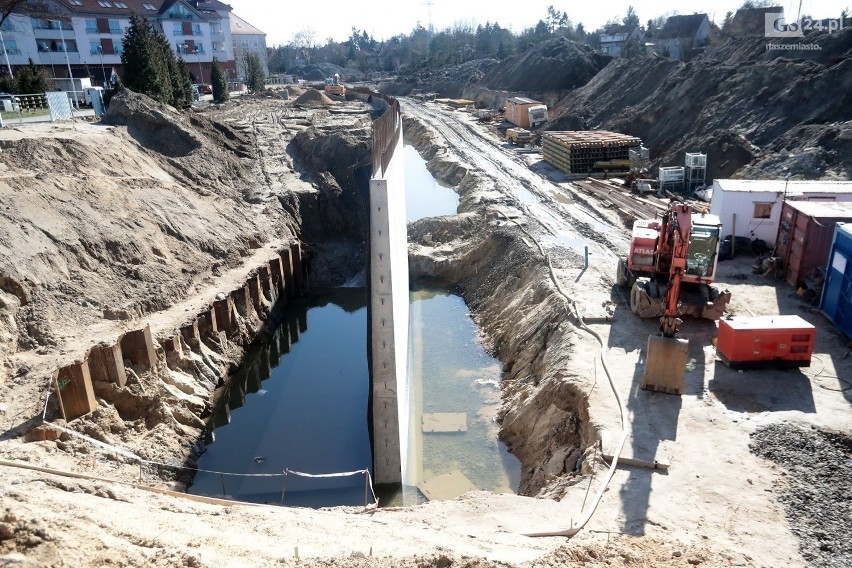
column 762, row 210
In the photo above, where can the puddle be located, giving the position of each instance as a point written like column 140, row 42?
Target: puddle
column 299, row 403
column 424, row 195
column 452, row 375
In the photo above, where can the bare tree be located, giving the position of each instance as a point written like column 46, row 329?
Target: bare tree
column 305, row 39
column 33, row 8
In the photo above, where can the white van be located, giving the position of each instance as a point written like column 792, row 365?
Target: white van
column 92, row 92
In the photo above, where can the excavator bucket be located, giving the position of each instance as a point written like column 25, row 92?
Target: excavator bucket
column 665, row 364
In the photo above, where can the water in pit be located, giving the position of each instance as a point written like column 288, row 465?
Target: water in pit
column 298, row 403
column 452, row 375
column 424, row 196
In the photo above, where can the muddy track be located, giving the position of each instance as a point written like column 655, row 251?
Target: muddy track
column 562, row 219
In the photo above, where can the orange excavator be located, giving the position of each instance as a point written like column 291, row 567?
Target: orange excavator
column 669, row 271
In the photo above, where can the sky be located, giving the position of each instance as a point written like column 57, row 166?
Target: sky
column 383, row 19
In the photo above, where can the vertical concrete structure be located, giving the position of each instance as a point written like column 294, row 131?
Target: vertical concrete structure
column 76, row 394
column 276, row 269
column 106, row 363
column 138, row 346
column 388, row 306
column 298, row 270
column 288, row 262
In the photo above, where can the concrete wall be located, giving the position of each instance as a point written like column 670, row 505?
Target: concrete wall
column 388, row 320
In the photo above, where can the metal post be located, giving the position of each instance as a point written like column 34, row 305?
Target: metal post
column 6, row 56
column 586, row 255
column 200, row 70
column 103, row 69
column 68, row 63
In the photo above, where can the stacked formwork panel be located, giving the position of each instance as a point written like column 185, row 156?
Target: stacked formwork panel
column 588, row 151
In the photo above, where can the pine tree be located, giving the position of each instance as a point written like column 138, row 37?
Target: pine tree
column 255, row 78
column 143, row 70
column 220, row 82
column 151, row 66
column 32, row 79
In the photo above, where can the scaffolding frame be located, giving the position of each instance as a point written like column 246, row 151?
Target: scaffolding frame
column 696, row 171
column 672, row 179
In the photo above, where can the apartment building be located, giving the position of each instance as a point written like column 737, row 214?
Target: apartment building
column 85, row 37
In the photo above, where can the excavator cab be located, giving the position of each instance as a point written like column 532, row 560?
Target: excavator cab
column 703, row 245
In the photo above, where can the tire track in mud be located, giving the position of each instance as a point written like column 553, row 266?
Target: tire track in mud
column 566, row 224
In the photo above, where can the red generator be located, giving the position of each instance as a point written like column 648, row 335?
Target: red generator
column 765, row 341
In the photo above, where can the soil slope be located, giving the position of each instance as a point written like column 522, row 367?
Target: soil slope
column 755, row 112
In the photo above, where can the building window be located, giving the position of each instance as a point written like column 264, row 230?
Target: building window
column 114, row 27
column 11, row 47
column 218, row 46
column 91, row 26
column 104, row 4
column 762, row 210
column 120, row 5
column 177, row 29
column 75, row 2
column 196, row 29
column 255, row 44
column 117, row 47
column 94, row 47
column 149, row 7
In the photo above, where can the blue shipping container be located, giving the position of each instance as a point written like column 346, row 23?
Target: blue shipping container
column 836, row 302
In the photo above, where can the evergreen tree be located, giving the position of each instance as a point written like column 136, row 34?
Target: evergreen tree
column 255, row 77
column 143, row 70
column 219, row 81
column 631, row 19
column 151, row 66
column 32, row 79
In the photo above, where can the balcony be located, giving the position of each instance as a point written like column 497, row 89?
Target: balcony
column 57, row 57
column 51, row 25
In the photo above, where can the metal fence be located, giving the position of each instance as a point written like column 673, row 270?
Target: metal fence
column 386, row 130
column 34, row 107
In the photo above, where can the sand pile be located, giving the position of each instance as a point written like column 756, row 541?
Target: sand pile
column 312, row 97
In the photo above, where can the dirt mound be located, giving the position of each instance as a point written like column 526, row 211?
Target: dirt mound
column 447, row 81
column 320, row 71
column 815, row 489
column 737, row 98
column 556, row 64
column 157, row 127
column 312, row 97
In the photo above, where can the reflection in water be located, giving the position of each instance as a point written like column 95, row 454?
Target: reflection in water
column 299, row 402
column 424, row 196
column 451, row 373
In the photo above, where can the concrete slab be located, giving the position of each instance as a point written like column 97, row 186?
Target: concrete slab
column 444, row 422
column 446, row 486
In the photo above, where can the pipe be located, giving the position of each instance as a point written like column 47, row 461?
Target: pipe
column 575, row 528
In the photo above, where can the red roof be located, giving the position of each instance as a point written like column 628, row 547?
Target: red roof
column 140, row 7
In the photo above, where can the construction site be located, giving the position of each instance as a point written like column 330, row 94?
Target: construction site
column 658, row 370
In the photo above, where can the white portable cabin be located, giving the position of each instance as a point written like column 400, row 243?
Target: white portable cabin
column 752, row 208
